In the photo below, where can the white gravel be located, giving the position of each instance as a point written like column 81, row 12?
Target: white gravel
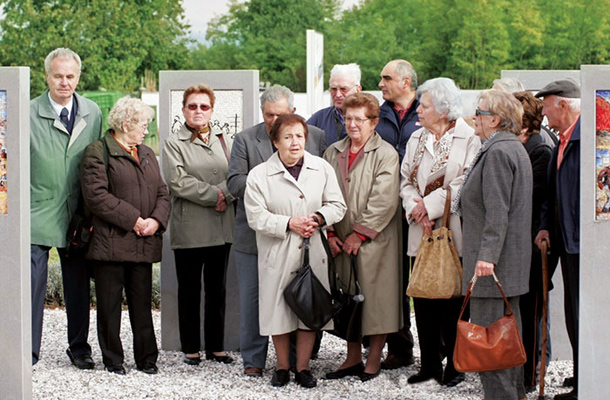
column 54, row 378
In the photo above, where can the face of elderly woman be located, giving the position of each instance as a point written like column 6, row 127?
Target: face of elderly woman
column 291, row 143
column 359, row 126
column 428, row 116
column 484, row 123
column 135, row 135
column 198, row 110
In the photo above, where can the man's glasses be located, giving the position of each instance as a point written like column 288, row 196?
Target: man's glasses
column 343, row 90
column 482, row 112
column 203, row 107
column 357, row 121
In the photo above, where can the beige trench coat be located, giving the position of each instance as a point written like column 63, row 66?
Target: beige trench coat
column 371, row 187
column 464, row 147
column 194, row 171
column 272, row 196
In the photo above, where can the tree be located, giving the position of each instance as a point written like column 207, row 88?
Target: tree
column 116, row 40
column 268, row 35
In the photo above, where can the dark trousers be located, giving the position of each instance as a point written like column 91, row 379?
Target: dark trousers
column 401, row 342
column 570, row 271
column 436, row 321
column 75, row 277
column 136, row 278
column 190, row 263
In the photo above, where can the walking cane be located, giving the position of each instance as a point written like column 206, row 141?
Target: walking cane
column 545, row 314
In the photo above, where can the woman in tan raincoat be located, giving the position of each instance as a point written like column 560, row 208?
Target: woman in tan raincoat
column 368, row 173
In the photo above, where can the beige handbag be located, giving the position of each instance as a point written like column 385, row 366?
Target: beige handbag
column 437, row 273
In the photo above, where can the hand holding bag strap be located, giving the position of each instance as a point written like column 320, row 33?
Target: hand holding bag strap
column 473, row 281
column 447, row 212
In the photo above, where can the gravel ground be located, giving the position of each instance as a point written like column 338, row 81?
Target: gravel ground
column 54, row 378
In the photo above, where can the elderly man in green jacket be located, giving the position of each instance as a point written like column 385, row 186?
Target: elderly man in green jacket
column 62, row 124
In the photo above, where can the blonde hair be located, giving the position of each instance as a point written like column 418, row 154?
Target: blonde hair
column 131, row 111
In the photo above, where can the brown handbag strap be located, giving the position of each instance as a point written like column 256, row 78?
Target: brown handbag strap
column 447, row 212
column 224, row 147
column 473, row 281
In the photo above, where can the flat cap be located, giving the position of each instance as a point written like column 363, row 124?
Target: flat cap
column 563, row 88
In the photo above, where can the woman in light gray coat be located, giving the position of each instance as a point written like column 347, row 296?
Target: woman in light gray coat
column 195, row 165
column 284, row 196
column 496, row 205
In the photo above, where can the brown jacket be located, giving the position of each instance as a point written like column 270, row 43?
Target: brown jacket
column 117, row 195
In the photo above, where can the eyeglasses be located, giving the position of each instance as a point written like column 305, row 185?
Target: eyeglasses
column 357, row 121
column 203, row 107
column 343, row 90
column 482, row 112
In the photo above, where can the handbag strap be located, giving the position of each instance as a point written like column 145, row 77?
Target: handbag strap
column 306, row 246
column 332, row 270
column 473, row 281
column 224, row 147
column 447, row 212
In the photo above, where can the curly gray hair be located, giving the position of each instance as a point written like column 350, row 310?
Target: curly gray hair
column 131, row 111
column 446, row 97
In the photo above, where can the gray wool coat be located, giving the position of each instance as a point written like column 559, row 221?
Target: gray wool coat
column 496, row 204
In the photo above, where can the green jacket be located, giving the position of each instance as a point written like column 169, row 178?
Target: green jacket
column 55, row 158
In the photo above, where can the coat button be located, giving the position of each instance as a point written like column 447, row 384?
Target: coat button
column 215, row 171
column 210, row 152
column 349, row 179
column 301, row 197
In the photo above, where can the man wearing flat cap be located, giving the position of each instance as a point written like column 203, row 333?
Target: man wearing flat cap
column 562, row 108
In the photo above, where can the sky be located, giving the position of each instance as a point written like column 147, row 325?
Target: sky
column 199, row 12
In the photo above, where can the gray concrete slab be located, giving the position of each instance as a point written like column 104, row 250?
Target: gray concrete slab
column 15, row 309
column 236, row 108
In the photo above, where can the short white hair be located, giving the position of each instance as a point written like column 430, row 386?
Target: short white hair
column 61, row 52
column 275, row 93
column 573, row 104
column 509, row 85
column 352, row 70
column 129, row 110
column 446, row 97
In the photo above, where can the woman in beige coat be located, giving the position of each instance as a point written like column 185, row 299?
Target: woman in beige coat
column 436, row 159
column 367, row 168
column 284, row 196
column 195, row 165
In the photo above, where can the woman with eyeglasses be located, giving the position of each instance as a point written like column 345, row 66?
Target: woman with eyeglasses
column 123, row 189
column 195, row 166
column 496, row 205
column 436, row 159
column 367, row 170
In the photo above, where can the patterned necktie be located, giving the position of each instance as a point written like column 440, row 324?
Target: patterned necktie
column 63, row 116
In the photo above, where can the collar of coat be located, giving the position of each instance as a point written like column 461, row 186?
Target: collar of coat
column 275, row 165
column 501, row 136
column 373, row 143
column 185, row 135
column 45, row 111
column 115, row 149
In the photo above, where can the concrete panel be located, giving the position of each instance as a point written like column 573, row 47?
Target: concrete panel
column 247, row 82
column 594, row 247
column 535, row 80
column 15, row 309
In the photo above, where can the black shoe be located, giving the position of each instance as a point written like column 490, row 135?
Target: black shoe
column 451, row 380
column 280, row 378
column 568, row 382
column 191, row 360
column 365, row 376
column 305, row 379
column 83, row 361
column 221, row 359
column 150, row 369
column 423, row 376
column 567, row 396
column 116, row 369
column 393, row 361
column 354, row 370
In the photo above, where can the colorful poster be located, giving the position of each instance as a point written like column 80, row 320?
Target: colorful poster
column 602, row 154
column 3, row 155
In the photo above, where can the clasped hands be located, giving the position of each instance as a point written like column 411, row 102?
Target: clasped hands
column 420, row 215
column 146, row 227
column 304, row 226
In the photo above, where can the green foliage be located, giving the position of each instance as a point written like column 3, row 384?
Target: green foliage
column 117, row 40
column 470, row 41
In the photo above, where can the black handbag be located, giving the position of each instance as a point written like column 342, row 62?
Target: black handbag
column 307, row 297
column 349, row 299
column 79, row 232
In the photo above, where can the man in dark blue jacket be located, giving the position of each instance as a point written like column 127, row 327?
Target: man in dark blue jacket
column 562, row 108
column 344, row 80
column 397, row 121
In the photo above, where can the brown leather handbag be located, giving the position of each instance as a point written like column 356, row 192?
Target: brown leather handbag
column 437, row 273
column 481, row 349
